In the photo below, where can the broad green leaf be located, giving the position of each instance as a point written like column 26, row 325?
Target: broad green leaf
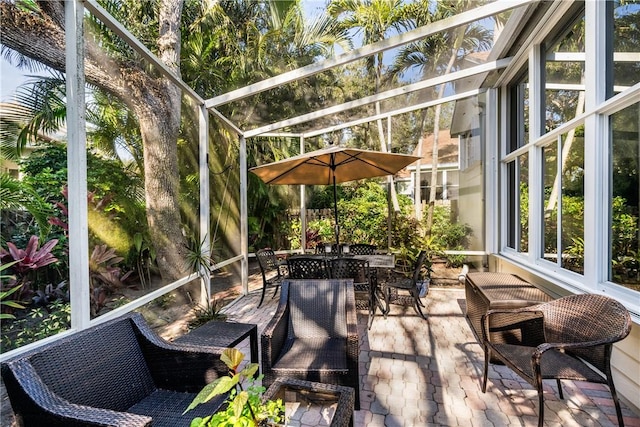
column 249, row 370
column 214, row 388
column 238, row 403
column 200, row 422
column 12, row 304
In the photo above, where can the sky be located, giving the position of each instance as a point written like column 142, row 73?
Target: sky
column 10, row 79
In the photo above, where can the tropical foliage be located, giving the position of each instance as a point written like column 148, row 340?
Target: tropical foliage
column 244, row 406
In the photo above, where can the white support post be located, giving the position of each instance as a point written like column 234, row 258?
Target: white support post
column 77, row 167
column 303, row 208
column 596, row 149
column 205, row 237
column 244, row 219
column 536, row 232
column 493, row 140
column 391, row 191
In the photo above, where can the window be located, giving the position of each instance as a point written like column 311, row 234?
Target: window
column 518, row 168
column 564, row 78
column 546, row 213
column 518, row 204
column 626, row 45
column 624, row 198
column 519, row 111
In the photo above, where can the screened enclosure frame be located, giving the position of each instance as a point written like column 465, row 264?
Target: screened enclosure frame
column 78, row 221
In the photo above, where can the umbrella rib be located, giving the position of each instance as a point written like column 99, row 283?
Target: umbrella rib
column 353, row 158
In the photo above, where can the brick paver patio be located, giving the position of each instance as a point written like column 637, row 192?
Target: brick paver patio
column 417, row 372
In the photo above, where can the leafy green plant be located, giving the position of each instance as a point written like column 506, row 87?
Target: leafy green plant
column 145, row 256
column 245, row 406
column 197, row 259
column 5, row 302
column 39, row 324
column 207, row 312
column 322, row 228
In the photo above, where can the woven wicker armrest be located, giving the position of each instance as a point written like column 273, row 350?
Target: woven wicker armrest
column 517, row 319
column 178, row 367
column 575, row 337
column 43, row 404
column 274, row 336
column 563, row 346
column 352, row 320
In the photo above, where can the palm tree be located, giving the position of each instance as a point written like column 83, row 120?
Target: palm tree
column 242, row 42
column 438, row 54
column 375, row 20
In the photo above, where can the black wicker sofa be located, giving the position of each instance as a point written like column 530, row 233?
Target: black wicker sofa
column 119, row 373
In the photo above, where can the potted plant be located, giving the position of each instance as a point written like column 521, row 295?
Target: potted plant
column 245, row 407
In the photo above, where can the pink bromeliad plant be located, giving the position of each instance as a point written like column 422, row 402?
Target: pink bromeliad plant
column 30, row 258
column 23, row 263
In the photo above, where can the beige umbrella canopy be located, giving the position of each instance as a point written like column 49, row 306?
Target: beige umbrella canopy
column 331, row 166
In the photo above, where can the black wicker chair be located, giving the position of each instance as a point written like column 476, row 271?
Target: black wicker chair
column 401, row 283
column 301, row 267
column 272, row 274
column 313, row 335
column 119, row 373
column 562, row 340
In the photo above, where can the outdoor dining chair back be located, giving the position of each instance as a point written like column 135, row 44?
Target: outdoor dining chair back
column 272, row 275
column 362, row 249
column 400, row 283
column 307, row 268
column 321, row 248
column 313, row 335
column 563, row 339
column 358, row 270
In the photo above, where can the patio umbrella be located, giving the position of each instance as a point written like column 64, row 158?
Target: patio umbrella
column 331, row 166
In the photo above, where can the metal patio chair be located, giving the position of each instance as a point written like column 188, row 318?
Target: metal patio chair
column 400, row 283
column 272, row 274
column 307, row 268
column 362, row 249
column 364, row 288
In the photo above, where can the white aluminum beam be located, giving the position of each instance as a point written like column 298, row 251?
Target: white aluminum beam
column 393, row 113
column 205, row 206
column 381, row 46
column 77, row 172
column 479, row 69
column 244, row 216
column 580, row 56
column 536, row 231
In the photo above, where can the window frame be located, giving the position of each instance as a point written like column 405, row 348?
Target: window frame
column 595, row 119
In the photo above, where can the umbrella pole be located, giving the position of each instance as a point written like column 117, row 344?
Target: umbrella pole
column 335, row 212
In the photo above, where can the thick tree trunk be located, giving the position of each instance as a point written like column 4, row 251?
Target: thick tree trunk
column 155, row 101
